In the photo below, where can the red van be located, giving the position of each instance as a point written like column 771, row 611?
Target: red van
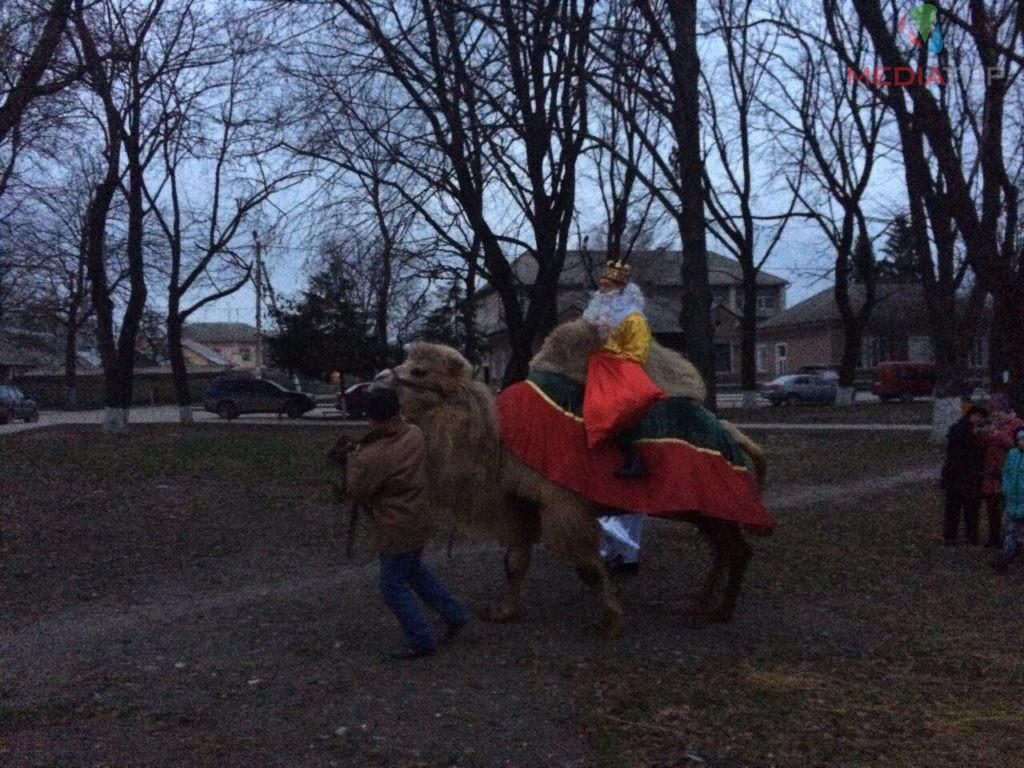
column 903, row 380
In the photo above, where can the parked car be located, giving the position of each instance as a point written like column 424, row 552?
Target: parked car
column 14, row 405
column 797, row 388
column 231, row 397
column 352, row 401
column 898, row 380
column 824, row 371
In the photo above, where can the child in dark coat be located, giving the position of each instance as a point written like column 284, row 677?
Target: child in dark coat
column 961, row 475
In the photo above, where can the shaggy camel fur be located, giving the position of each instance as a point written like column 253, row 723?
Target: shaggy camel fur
column 487, row 489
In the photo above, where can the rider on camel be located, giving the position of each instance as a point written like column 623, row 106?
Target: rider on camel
column 618, row 390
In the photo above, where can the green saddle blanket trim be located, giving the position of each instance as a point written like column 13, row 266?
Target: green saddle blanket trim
column 677, row 418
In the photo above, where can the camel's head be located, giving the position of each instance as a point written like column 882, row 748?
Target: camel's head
column 430, row 373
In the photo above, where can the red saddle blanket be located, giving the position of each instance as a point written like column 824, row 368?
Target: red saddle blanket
column 695, row 466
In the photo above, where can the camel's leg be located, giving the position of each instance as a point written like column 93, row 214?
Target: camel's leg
column 738, row 554
column 509, row 606
column 712, row 534
column 522, row 533
column 571, row 533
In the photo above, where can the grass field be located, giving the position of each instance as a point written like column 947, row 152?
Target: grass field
column 179, row 597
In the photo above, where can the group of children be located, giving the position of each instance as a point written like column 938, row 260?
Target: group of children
column 985, row 465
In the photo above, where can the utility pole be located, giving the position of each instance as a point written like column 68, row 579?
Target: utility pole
column 259, row 305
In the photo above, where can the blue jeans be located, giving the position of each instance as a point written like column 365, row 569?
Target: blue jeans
column 1011, row 539
column 399, row 573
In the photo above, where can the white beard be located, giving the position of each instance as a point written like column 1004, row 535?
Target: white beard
column 607, row 310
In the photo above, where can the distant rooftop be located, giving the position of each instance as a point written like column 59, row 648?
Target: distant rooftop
column 895, row 302
column 220, row 333
column 651, row 269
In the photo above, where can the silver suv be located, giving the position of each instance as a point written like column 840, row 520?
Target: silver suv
column 14, row 405
column 797, row 388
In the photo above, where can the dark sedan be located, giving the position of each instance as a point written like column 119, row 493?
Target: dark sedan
column 352, row 402
column 14, row 405
column 229, row 398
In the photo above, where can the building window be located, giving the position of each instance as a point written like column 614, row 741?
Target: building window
column 875, row 350
column 723, row 358
column 246, row 355
column 762, row 358
column 979, row 353
column 781, row 350
column 720, row 295
column 767, row 300
column 919, row 349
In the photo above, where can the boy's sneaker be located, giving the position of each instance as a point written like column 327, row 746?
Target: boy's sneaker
column 452, row 631
column 412, row 653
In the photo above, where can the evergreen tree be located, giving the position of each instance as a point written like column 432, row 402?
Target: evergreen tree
column 900, row 262
column 324, row 331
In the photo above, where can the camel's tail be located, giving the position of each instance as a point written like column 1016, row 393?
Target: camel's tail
column 753, row 451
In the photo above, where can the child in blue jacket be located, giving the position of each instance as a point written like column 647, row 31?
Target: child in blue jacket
column 1013, row 491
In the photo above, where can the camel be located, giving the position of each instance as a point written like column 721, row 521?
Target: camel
column 490, row 491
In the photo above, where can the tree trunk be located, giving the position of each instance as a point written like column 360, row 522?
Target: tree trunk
column 94, row 236
column 521, row 344
column 695, row 315
column 748, row 341
column 115, row 420
column 1012, row 322
column 950, row 382
column 179, row 370
column 471, row 347
column 853, row 340
column 71, row 365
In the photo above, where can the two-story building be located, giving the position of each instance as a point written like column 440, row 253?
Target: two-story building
column 220, row 344
column 657, row 272
column 811, row 332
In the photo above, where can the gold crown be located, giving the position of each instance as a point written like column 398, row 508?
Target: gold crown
column 617, row 271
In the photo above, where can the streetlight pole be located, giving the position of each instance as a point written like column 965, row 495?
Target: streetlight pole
column 259, row 304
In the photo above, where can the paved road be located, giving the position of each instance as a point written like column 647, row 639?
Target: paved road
column 168, row 414
column 841, row 427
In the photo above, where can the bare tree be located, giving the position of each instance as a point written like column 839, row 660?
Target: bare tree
column 960, row 187
column 749, row 207
column 618, row 154
column 665, row 52
column 154, row 41
column 497, row 91
column 364, row 216
column 25, row 77
column 839, row 123
column 207, row 110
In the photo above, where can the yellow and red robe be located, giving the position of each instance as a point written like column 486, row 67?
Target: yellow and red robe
column 618, row 390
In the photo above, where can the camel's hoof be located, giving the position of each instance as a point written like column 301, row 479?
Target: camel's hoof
column 718, row 616
column 498, row 614
column 697, row 612
column 611, row 626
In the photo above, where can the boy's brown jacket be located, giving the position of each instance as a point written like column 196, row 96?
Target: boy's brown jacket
column 387, row 471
